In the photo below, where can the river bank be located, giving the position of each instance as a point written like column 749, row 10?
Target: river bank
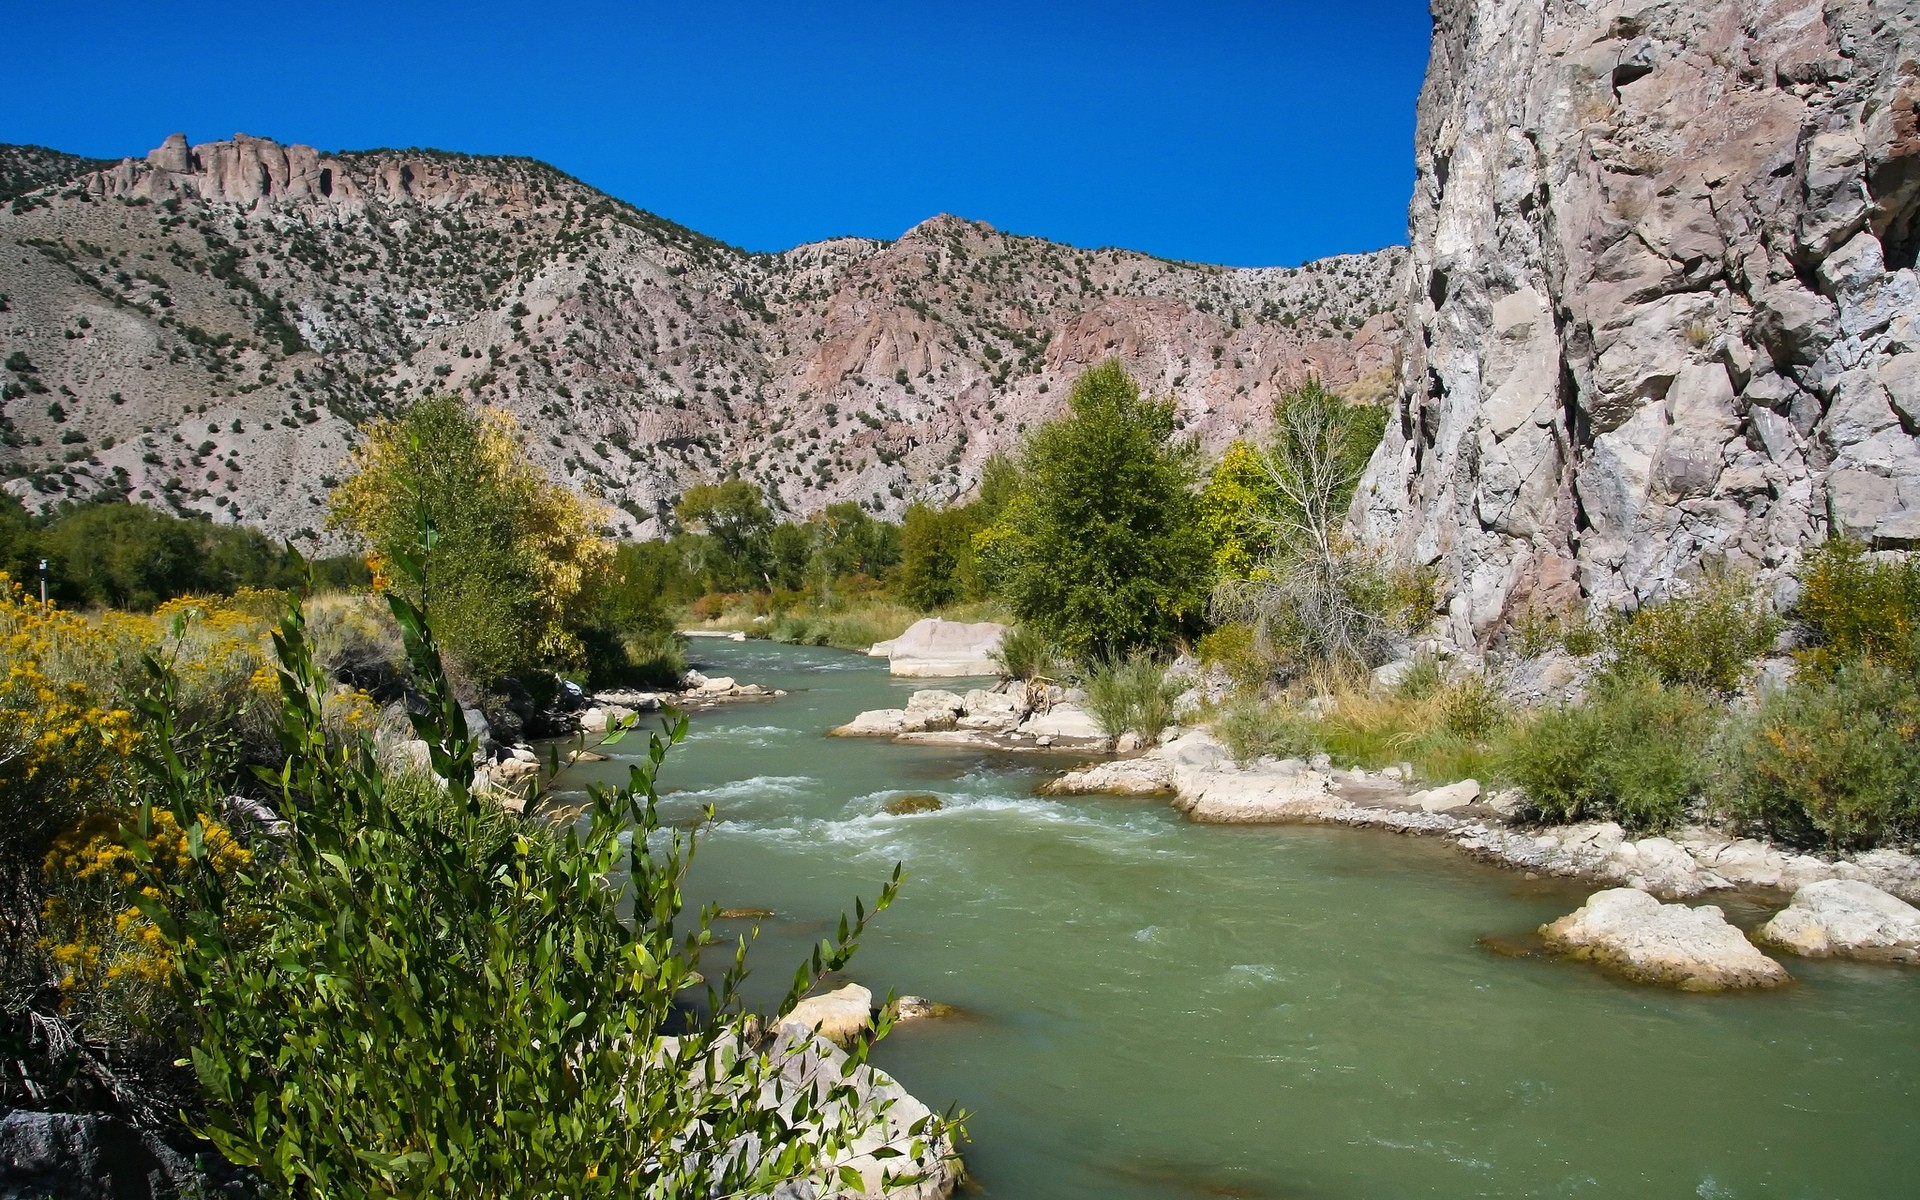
column 1122, row 969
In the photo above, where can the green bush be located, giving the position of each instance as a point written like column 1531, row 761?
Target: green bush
column 1705, row 638
column 1472, row 708
column 1831, row 762
column 1855, row 608
column 1131, row 695
column 1636, row 752
column 1252, row 728
column 447, row 1004
column 1237, row 650
column 1026, row 653
column 1424, row 678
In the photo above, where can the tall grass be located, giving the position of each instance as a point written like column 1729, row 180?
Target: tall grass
column 1446, row 730
column 1131, row 695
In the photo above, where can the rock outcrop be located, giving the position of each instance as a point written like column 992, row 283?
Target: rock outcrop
column 1661, row 305
column 1843, row 918
column 935, row 649
column 1633, row 934
column 839, row 1016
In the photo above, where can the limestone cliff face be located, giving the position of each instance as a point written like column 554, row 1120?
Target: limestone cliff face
column 1661, row 303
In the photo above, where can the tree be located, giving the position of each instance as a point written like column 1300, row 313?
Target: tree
column 1310, row 591
column 936, row 557
column 738, row 521
column 1100, row 547
column 515, row 557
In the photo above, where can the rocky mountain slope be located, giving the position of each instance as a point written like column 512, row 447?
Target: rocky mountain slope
column 1661, row 302
column 202, row 328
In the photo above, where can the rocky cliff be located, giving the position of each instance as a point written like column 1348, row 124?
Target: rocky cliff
column 202, row 328
column 1661, row 301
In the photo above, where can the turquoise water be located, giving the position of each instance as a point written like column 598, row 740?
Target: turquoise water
column 1159, row 1009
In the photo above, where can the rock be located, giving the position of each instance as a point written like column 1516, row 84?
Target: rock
column 1064, row 721
column 717, row 684
column 933, row 648
column 839, row 1016
column 587, row 756
column 85, row 1156
column 1844, row 918
column 919, row 1008
column 1630, row 932
column 880, row 650
column 693, row 681
column 912, row 802
column 947, row 704
column 744, row 914
column 1445, row 799
column 1128, row 743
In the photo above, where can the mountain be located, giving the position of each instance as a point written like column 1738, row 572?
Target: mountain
column 1661, row 302
column 203, row 328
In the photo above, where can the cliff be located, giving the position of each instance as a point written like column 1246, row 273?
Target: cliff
column 1661, row 298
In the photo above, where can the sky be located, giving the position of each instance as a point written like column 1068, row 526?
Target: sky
column 1246, row 133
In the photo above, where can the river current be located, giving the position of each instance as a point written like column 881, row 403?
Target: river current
column 1153, row 1008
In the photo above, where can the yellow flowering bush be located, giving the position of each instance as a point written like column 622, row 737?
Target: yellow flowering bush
column 109, row 960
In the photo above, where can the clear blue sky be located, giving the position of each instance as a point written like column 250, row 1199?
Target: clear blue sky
column 1231, row 131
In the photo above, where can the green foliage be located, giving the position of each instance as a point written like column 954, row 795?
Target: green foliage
column 1100, row 549
column 1132, row 694
column 1832, row 761
column 1236, row 649
column 1026, row 654
column 1253, row 728
column 1636, row 752
column 447, row 1004
column 737, row 520
column 936, row 557
column 1424, row 677
column 1705, row 638
column 1855, row 607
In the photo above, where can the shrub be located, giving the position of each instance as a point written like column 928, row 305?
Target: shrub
column 441, row 1010
column 1253, row 728
column 1704, row 638
column 1131, row 695
column 1636, row 752
column 1236, row 649
column 1424, row 677
column 1026, row 654
column 1471, row 707
column 1856, row 608
column 1832, row 762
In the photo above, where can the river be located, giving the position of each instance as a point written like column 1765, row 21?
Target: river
column 1157, row 1009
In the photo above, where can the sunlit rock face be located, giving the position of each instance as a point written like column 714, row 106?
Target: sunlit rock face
column 1661, row 299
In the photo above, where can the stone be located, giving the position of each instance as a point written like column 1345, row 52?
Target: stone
column 1448, row 798
column 1633, row 934
column 744, row 914
column 933, row 648
column 717, row 684
column 919, row 1008
column 912, row 802
column 86, row 1156
column 1064, row 721
column 840, row 1016
column 1845, row 918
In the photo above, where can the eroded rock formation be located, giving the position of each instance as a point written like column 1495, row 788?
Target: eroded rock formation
column 1661, row 298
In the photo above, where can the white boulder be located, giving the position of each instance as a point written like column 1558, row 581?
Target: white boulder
column 1844, row 918
column 1445, row 799
column 936, row 649
column 1694, row 949
column 839, row 1016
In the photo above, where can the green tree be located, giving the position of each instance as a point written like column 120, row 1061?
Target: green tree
column 516, row 558
column 936, row 557
column 1100, row 548
column 737, row 519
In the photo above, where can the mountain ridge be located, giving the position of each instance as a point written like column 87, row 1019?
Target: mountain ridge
column 163, row 300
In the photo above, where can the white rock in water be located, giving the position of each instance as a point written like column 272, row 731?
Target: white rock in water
column 932, row 648
column 1689, row 948
column 880, row 650
column 719, row 683
column 1064, row 721
column 839, row 1016
column 1444, row 799
column 1844, row 918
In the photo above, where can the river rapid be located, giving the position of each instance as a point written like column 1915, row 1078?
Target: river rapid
column 1153, row 1008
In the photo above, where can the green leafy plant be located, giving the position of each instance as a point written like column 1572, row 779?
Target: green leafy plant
column 1830, row 761
column 1236, row 649
column 1635, row 752
column 1025, row 653
column 1855, row 607
column 402, row 1002
column 1704, row 638
column 1253, row 728
column 1131, row 694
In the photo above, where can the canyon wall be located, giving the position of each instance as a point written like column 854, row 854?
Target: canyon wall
column 1661, row 299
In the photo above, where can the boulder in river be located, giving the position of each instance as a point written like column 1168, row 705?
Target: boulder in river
column 839, row 1016
column 919, row 1008
column 912, row 802
column 1844, row 918
column 932, row 648
column 1694, row 949
column 1447, row 798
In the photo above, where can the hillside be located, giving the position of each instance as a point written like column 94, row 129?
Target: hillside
column 202, row 328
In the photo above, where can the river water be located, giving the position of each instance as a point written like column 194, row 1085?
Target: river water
column 1154, row 1008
